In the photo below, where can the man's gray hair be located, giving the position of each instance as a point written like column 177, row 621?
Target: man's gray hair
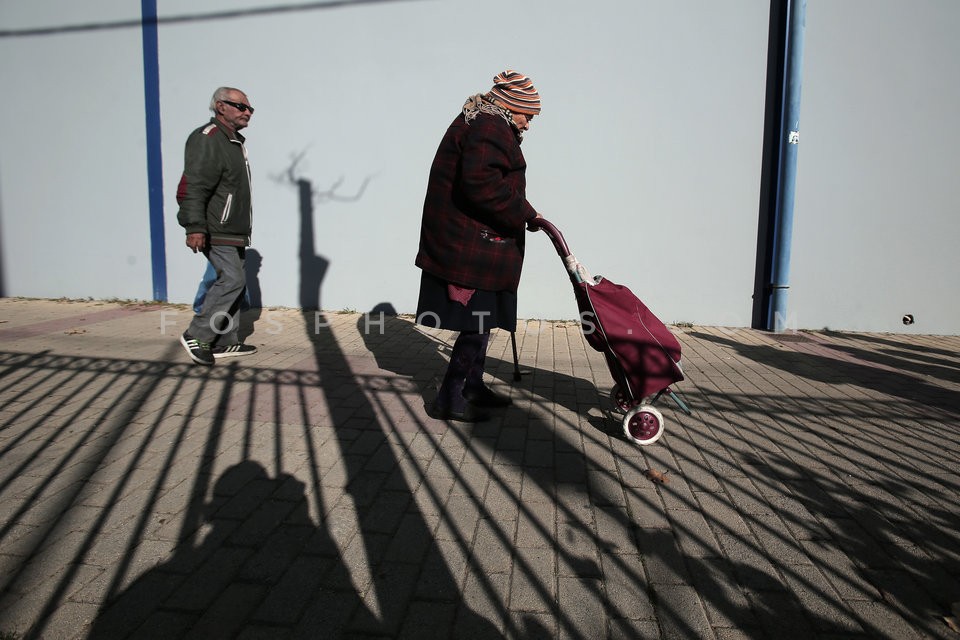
column 221, row 94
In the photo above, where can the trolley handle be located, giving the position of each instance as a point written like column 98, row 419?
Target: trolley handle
column 578, row 273
column 554, row 234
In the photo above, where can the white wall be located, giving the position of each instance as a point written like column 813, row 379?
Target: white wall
column 73, row 176
column 641, row 105
column 647, row 154
column 876, row 221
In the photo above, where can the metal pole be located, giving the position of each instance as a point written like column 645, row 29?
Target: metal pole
column 786, row 183
column 151, row 94
column 516, row 359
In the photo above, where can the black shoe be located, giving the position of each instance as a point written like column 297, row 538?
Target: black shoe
column 469, row 414
column 234, row 350
column 198, row 351
column 486, row 397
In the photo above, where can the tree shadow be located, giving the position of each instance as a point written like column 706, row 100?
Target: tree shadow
column 890, row 541
column 407, row 567
column 922, row 360
column 823, row 363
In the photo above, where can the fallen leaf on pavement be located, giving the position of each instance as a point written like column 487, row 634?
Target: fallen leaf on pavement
column 73, row 332
column 657, row 476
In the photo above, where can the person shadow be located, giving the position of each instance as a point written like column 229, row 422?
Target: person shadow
column 238, row 566
column 251, row 311
column 401, row 346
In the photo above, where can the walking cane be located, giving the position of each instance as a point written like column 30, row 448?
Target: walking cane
column 516, row 359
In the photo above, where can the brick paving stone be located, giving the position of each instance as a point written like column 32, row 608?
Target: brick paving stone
column 531, row 626
column 662, row 557
column 581, row 603
column 536, row 524
column 485, row 605
column 819, row 600
column 646, row 508
column 428, row 621
column 166, row 624
column 781, row 615
column 627, row 588
column 537, row 485
column 810, row 493
column 533, row 584
column 228, row 614
column 615, row 530
column 290, row 596
column 694, row 536
column 680, row 612
column 724, row 600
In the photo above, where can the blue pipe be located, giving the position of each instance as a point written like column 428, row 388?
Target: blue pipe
column 787, row 171
column 151, row 94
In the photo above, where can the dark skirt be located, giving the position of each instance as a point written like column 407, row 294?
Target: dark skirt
column 486, row 310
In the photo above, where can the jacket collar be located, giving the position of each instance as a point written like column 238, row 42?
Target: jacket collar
column 234, row 135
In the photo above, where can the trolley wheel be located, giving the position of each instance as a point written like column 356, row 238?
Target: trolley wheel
column 643, row 425
column 620, row 399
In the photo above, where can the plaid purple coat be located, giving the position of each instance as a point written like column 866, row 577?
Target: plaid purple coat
column 475, row 211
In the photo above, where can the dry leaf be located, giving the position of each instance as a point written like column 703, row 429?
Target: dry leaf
column 657, row 476
column 73, row 332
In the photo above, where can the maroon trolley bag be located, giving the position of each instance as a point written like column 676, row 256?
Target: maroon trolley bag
column 643, row 356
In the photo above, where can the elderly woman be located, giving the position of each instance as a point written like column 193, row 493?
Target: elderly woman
column 472, row 237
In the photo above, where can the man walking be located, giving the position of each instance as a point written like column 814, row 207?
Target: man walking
column 216, row 212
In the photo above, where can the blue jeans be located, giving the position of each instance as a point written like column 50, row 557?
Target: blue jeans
column 209, row 277
column 218, row 321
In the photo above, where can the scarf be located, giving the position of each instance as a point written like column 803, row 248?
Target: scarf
column 479, row 103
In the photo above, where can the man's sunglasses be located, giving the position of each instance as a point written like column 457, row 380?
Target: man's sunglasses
column 239, row 106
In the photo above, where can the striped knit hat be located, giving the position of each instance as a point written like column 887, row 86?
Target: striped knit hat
column 516, row 92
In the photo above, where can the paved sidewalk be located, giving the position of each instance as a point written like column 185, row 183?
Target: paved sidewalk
column 303, row 492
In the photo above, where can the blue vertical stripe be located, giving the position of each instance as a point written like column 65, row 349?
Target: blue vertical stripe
column 151, row 94
column 787, row 173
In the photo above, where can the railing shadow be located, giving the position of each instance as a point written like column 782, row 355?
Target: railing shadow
column 924, row 360
column 232, row 550
column 827, row 363
column 554, row 438
column 853, row 476
column 188, row 502
column 97, row 429
column 198, row 503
